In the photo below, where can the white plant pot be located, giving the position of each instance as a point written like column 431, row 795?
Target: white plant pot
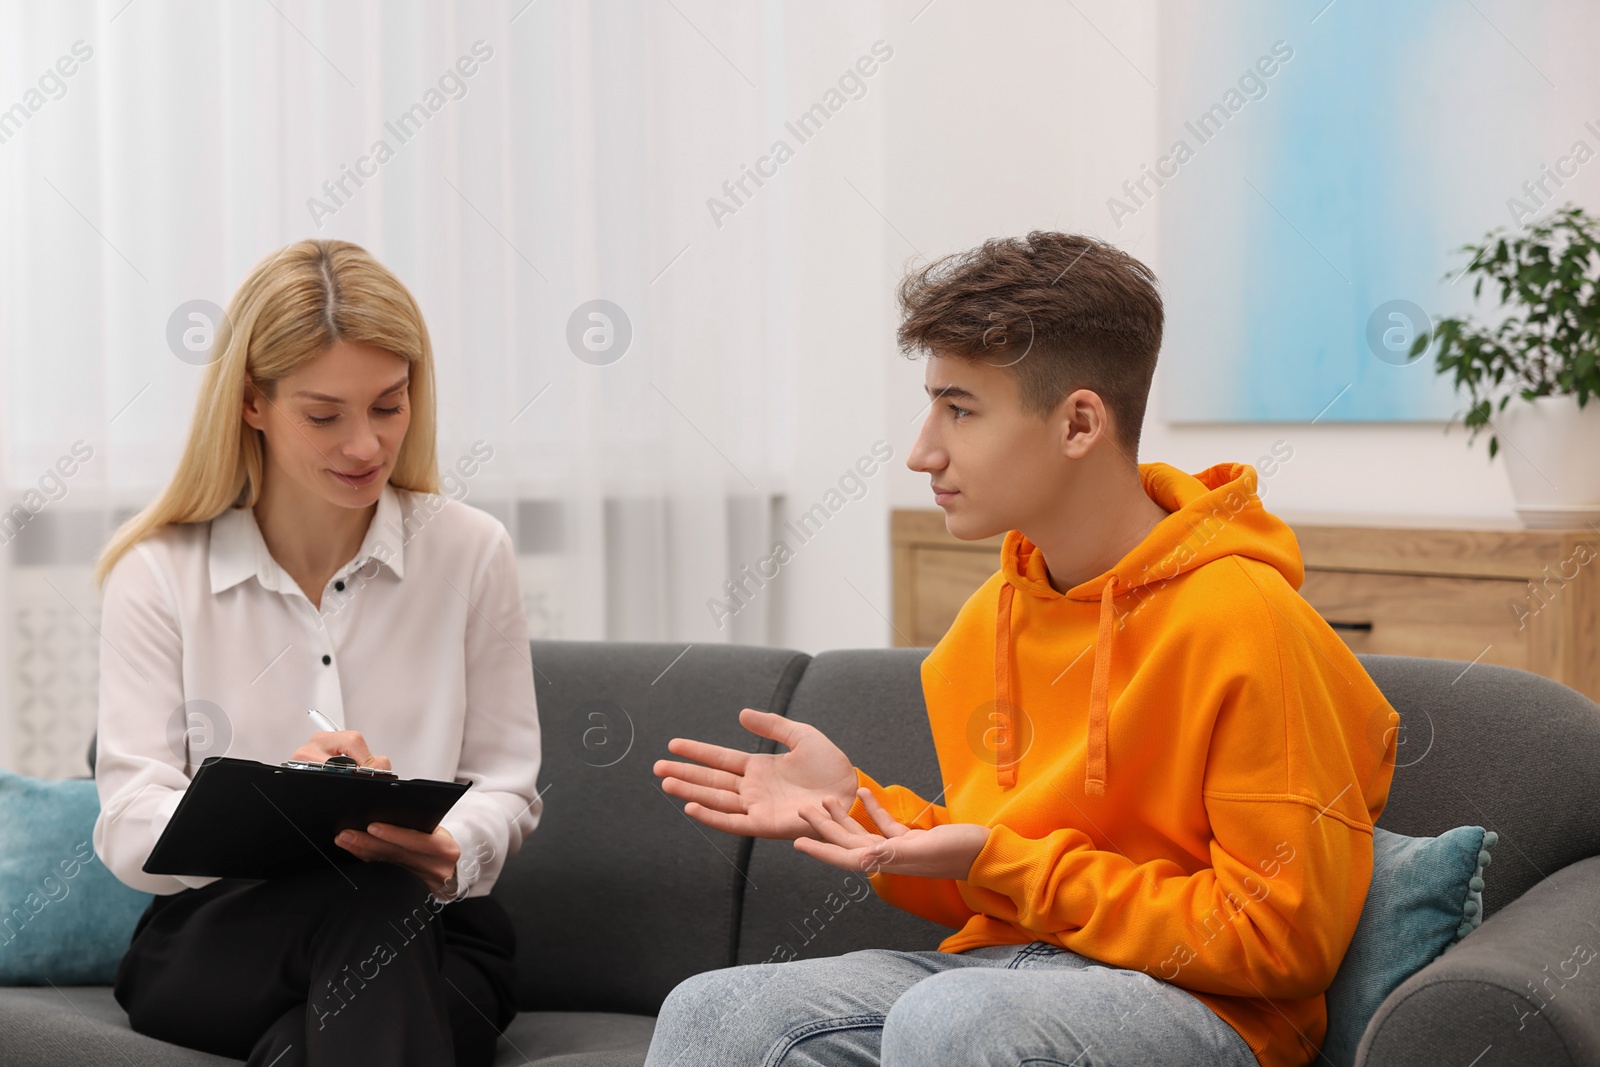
column 1552, row 452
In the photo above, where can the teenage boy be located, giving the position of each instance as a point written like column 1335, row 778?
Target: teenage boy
column 1161, row 767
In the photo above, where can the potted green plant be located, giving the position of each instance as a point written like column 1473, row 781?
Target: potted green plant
column 1544, row 353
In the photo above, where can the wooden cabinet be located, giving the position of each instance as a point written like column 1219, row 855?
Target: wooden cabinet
column 1472, row 590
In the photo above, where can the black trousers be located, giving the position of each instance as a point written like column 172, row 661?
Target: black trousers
column 350, row 965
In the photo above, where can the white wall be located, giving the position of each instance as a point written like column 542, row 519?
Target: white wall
column 998, row 119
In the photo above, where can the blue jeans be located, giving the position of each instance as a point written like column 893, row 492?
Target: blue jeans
column 1010, row 1005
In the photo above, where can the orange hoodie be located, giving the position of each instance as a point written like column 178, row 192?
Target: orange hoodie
column 1180, row 761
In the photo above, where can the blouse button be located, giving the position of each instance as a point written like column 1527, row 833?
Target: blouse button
column 339, row 586
column 326, row 660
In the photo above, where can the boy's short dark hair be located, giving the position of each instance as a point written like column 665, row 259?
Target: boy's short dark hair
column 1064, row 311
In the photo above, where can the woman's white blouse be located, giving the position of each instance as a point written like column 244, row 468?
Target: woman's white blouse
column 209, row 648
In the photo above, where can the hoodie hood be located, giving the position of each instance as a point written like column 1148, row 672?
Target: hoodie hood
column 1214, row 513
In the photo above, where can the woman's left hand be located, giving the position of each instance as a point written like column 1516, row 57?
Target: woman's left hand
column 431, row 857
column 945, row 851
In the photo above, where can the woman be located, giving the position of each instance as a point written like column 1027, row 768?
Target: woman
column 302, row 558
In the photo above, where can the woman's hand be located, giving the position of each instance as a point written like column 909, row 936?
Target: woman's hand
column 431, row 857
column 945, row 851
column 325, row 743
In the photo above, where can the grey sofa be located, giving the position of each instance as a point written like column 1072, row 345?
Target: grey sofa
column 618, row 895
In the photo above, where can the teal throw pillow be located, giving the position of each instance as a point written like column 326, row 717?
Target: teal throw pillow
column 64, row 918
column 1426, row 895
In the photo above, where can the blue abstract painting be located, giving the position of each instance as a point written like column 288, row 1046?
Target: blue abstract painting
column 1320, row 164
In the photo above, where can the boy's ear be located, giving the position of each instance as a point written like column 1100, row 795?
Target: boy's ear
column 1083, row 422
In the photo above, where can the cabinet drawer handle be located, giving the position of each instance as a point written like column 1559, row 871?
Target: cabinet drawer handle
column 1364, row 626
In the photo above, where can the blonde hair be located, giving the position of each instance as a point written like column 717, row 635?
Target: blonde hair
column 292, row 307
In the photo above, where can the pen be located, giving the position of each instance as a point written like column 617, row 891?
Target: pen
column 321, row 720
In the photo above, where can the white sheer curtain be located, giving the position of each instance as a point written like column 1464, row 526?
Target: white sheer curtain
column 572, row 164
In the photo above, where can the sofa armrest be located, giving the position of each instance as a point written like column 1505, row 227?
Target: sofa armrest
column 1522, row 988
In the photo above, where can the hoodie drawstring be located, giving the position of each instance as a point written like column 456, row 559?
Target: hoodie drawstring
column 1005, row 768
column 1005, row 749
column 1094, row 774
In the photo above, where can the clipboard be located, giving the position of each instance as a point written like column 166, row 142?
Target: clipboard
column 244, row 819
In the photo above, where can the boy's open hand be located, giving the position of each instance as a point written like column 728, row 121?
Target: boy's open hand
column 945, row 851
column 759, row 794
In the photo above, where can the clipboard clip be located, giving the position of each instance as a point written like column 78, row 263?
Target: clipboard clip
column 340, row 764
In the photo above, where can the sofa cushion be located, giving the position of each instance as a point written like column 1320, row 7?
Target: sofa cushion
column 70, row 1026
column 575, row 1039
column 73, row 1025
column 64, row 918
column 1471, row 734
column 618, row 895
column 1426, row 895
column 869, row 703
